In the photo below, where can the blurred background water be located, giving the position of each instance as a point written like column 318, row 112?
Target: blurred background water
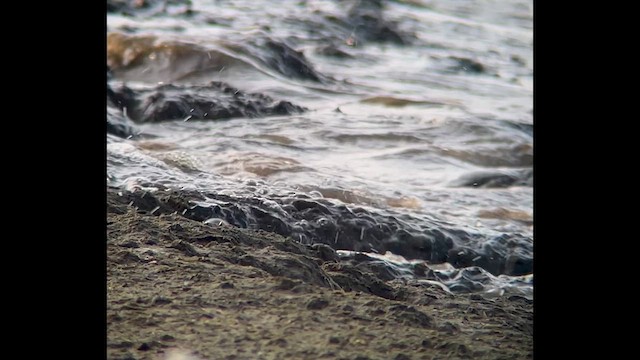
column 416, row 115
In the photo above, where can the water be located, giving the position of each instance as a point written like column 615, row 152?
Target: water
column 414, row 118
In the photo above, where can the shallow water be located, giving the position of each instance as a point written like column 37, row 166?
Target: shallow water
column 418, row 114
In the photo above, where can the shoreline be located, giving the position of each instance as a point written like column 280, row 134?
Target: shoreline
column 221, row 292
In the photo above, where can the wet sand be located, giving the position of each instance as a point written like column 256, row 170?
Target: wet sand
column 178, row 288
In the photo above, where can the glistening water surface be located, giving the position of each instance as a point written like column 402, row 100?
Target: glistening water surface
column 402, row 128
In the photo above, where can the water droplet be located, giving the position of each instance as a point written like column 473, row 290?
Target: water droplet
column 351, row 41
column 188, row 117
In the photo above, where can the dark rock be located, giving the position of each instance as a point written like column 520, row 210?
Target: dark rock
column 509, row 254
column 214, row 101
column 123, row 98
column 517, row 264
column 340, row 226
column 144, row 347
column 270, row 222
column 117, row 126
column 117, row 123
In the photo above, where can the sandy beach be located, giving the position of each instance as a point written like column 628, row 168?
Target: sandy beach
column 181, row 289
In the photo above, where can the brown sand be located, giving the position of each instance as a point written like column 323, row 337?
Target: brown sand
column 176, row 286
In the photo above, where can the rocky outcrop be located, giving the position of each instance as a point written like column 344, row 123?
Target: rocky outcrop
column 215, row 101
